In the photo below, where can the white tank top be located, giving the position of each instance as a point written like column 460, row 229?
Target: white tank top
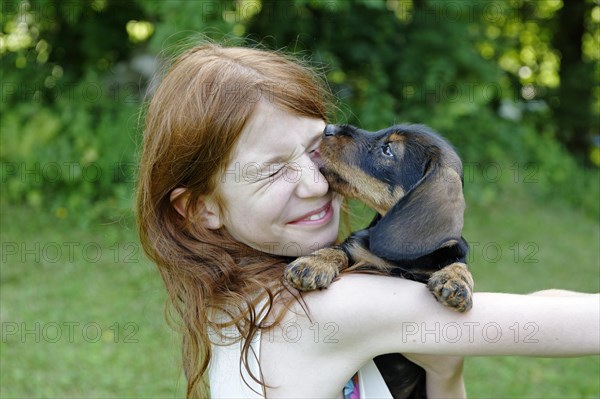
column 226, row 379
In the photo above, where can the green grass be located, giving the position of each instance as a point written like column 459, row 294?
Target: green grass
column 557, row 248
column 106, row 304
column 118, row 293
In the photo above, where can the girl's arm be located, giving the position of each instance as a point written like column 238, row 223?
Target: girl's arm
column 394, row 315
column 362, row 316
column 445, row 373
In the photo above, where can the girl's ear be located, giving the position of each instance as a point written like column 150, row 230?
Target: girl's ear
column 179, row 199
column 207, row 210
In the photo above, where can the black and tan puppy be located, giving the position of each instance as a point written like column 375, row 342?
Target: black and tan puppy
column 413, row 179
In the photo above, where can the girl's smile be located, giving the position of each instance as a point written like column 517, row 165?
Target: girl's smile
column 317, row 217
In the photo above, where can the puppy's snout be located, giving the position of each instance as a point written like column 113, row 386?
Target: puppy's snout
column 331, row 130
column 340, row 130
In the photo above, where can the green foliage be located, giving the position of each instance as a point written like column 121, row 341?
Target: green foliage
column 69, row 107
column 71, row 91
column 76, row 155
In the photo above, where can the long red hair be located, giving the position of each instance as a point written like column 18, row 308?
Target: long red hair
column 192, row 123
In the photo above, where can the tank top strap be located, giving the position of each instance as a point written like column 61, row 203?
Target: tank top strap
column 371, row 384
column 228, row 378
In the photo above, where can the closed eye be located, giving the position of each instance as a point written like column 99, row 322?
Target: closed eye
column 275, row 173
column 272, row 170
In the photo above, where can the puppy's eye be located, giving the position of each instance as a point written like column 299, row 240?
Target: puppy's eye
column 386, row 149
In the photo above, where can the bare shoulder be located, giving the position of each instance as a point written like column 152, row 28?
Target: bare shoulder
column 356, row 310
column 371, row 296
column 324, row 339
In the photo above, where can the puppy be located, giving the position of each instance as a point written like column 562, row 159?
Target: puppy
column 413, row 178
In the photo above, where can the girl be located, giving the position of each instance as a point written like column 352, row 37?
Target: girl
column 230, row 190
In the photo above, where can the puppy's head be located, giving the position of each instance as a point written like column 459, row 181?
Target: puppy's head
column 407, row 173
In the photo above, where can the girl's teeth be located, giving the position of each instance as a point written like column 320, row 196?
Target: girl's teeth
column 317, row 216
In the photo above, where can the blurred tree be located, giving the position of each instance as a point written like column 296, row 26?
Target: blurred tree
column 51, row 45
column 550, row 51
column 573, row 113
column 504, row 80
column 395, row 61
column 68, row 97
column 374, row 43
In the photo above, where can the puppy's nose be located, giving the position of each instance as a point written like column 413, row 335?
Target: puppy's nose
column 330, row 130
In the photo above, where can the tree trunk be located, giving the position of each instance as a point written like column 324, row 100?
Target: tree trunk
column 573, row 113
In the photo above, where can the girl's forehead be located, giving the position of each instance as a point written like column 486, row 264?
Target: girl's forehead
column 273, row 133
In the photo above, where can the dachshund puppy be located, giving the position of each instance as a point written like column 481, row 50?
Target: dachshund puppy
column 413, row 179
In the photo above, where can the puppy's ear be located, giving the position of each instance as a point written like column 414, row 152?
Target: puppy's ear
column 428, row 217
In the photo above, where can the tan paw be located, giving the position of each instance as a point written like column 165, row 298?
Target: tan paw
column 315, row 271
column 453, row 287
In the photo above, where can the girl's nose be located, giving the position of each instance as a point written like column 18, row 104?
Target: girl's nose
column 311, row 183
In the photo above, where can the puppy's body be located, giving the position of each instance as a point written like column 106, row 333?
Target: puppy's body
column 413, row 179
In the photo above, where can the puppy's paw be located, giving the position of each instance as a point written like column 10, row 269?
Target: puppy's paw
column 453, row 287
column 316, row 271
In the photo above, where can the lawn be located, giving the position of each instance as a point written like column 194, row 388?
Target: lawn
column 82, row 309
column 82, row 313
column 522, row 245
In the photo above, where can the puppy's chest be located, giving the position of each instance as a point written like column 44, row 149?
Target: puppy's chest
column 418, row 269
column 421, row 268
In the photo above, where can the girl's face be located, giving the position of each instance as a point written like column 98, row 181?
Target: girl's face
column 276, row 200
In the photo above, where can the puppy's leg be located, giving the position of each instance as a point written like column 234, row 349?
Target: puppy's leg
column 317, row 270
column 453, row 286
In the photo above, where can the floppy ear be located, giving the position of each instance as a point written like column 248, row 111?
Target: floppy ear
column 428, row 217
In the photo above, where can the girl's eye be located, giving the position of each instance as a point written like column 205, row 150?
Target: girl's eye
column 275, row 171
column 386, row 149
